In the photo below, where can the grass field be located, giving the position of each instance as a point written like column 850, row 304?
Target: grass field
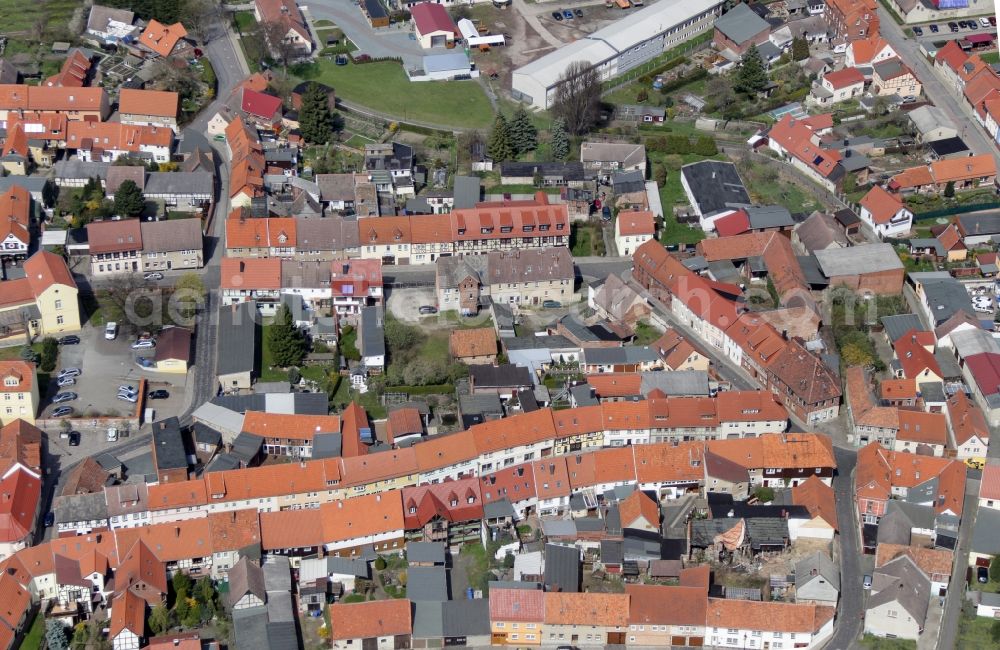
column 33, row 639
column 358, row 141
column 975, row 632
column 461, row 104
column 19, row 15
column 244, row 20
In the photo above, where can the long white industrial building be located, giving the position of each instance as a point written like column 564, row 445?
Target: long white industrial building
column 619, row 47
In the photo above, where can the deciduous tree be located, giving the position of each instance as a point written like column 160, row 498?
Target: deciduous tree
column 578, row 97
column 800, row 49
column 159, row 619
column 283, row 49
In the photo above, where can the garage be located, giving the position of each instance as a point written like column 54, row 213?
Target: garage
column 433, row 26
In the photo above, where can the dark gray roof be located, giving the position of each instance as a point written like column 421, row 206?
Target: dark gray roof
column 716, row 186
column 679, row 382
column 986, row 532
column 767, row 531
column 854, row 161
column 356, row 567
column 108, row 461
column 499, row 509
column 282, row 635
column 810, row 269
column 898, row 325
column 169, row 445
column 300, row 403
column 171, row 235
column 583, row 395
column 427, row 583
column 246, row 446
column 948, row 146
column 432, row 552
column 372, row 334
column 538, row 342
column 237, row 335
column 626, row 354
column 206, row 435
column 933, row 392
column 250, row 628
column 503, row 376
column 976, row 225
column 820, row 563
column 182, row 183
column 81, row 169
column 467, row 191
column 612, row 551
column 846, row 217
column 327, row 445
column 945, row 296
column 562, row 568
column 223, row 463
column 948, row 365
column 34, row 184
column 480, row 405
column 769, row 216
column 740, row 24
column 900, row 580
column 569, row 171
column 628, row 182
column 453, row 618
column 452, row 270
column 80, row 507
column 525, row 585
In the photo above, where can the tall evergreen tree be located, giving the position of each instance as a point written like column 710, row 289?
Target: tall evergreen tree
column 524, row 135
column 288, row 345
column 560, row 139
column 752, row 75
column 315, row 117
column 129, row 200
column 499, row 146
column 800, row 49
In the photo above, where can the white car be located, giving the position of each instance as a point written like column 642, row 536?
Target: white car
column 111, row 331
column 144, row 344
column 985, row 23
column 125, row 388
column 128, row 398
column 69, row 372
column 112, row 434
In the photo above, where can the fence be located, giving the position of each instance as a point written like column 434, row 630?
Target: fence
column 661, row 61
column 958, row 209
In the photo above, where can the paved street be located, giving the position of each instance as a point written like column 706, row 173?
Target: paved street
column 851, row 606
column 956, row 591
column 952, row 103
column 386, row 41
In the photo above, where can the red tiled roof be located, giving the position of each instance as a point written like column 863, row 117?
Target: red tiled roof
column 260, row 105
column 522, row 605
column 818, row 498
column 451, row 501
column 661, row 605
column 377, row 618
column 159, row 103
column 914, row 357
column 635, row 223
column 985, row 369
column 114, row 236
column 920, row 427
column 882, row 205
column 951, row 55
column 73, row 73
column 796, row 137
column 430, row 17
column 967, row 420
column 989, row 485
column 844, row 78
column 21, row 492
column 162, row 38
column 736, row 223
column 251, row 273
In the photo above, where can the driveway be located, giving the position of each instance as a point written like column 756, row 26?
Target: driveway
column 405, row 304
column 376, row 43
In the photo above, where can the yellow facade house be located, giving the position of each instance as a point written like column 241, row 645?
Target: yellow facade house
column 43, row 303
column 19, row 390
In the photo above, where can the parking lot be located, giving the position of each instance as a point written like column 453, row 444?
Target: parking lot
column 962, row 28
column 984, row 299
column 107, row 365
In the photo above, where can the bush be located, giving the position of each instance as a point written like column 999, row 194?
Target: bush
column 380, row 563
column 294, row 376
column 764, row 494
column 50, row 354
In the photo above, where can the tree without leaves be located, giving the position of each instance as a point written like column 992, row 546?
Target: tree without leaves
column 500, row 147
column 284, row 50
column 560, row 139
column 751, row 77
column 578, row 97
column 287, row 343
column 524, row 135
column 126, row 299
column 315, row 116
column 129, row 200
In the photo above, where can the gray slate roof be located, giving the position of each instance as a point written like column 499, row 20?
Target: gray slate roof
column 179, row 183
column 427, row 583
column 898, row 325
column 562, row 568
column 716, row 186
column 740, row 23
column 868, row 258
column 986, row 533
column 821, row 563
column 171, row 235
column 432, row 552
column 467, row 191
column 901, row 581
column 80, row 507
column 237, row 336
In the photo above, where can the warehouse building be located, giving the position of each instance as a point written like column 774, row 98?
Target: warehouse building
column 619, row 47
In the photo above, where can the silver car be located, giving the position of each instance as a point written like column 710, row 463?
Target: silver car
column 66, row 381
column 68, row 396
column 69, row 372
column 128, row 398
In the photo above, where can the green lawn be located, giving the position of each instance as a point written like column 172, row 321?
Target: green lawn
column 975, row 632
column 990, row 57
column 18, row 15
column 585, row 240
column 875, row 643
column 358, row 141
column 645, row 333
column 33, row 639
column 384, row 87
column 244, row 20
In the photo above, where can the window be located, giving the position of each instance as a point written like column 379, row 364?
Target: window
column 59, row 304
column 59, row 320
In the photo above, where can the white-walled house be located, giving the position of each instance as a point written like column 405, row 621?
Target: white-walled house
column 885, row 213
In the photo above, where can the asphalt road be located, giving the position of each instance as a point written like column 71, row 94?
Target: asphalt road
column 952, row 103
column 948, row 634
column 386, row 41
column 851, row 606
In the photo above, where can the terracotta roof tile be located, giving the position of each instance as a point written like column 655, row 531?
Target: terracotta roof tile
column 162, row 38
column 521, row 605
column 523, row 429
column 21, row 371
column 234, row 530
column 381, row 466
column 818, row 498
column 920, row 427
column 635, row 223
column 291, row 426
column 362, row 516
column 551, row 477
column 251, row 273
column 989, row 485
column 661, row 605
column 882, row 205
column 446, row 450
column 377, row 618
column 159, row 103
column 639, row 505
column 665, row 461
column 590, row 608
column 516, row 483
column 472, row 342
column 291, row 529
column 934, row 562
column 773, row 616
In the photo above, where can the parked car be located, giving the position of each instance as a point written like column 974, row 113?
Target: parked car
column 909, row 99
column 362, row 58
column 68, row 396
column 973, row 25
column 993, row 21
column 918, row 31
column 62, row 411
column 935, row 29
column 111, row 331
column 158, row 394
column 63, row 382
column 69, row 372
column 867, row 582
column 953, row 27
column 551, row 304
column 428, row 309
column 557, row 15
column 50, row 519
column 578, row 12
column 74, row 438
column 982, row 575
column 983, row 22
column 125, row 388
column 128, row 398
column 112, row 434
column 155, row 275
column 567, row 14
column 72, row 339
column 143, row 344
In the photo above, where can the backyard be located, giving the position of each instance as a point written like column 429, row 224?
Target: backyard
column 267, row 373
column 586, row 240
column 977, row 632
column 461, row 104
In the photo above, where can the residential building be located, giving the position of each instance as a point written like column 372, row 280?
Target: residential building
column 530, row 276
column 128, row 622
column 817, row 580
column 171, row 244
column 287, row 14
column 662, row 616
column 868, row 51
column 77, row 104
column 371, row 339
column 458, row 283
column 838, row 86
column 107, row 141
column 109, row 24
column 883, row 474
column 517, row 616
column 750, row 624
column 885, row 213
column 173, row 350
column 15, row 223
column 819, row 232
column 234, row 367
column 893, row 77
column 852, row 20
column 376, row 624
column 163, row 40
column 797, row 141
column 115, row 246
column 969, row 432
column 157, row 108
column 608, row 157
column 899, row 601
column 473, row 346
column 964, row 173
column 585, row 618
column 632, row 229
